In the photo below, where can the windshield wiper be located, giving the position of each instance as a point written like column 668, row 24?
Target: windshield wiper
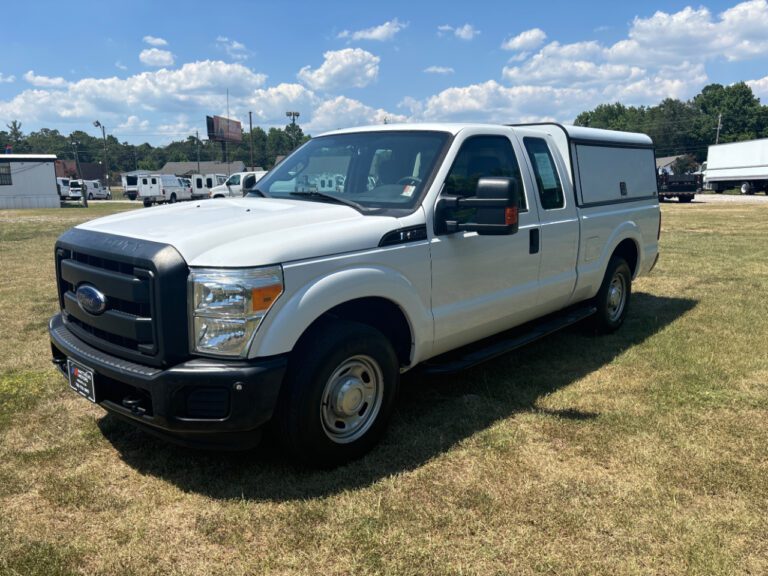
column 332, row 198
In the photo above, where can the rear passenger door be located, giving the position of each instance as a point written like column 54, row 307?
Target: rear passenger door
column 482, row 285
column 559, row 224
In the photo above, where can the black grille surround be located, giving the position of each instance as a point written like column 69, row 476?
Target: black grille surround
column 145, row 284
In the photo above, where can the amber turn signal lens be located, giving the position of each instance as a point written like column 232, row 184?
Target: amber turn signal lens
column 510, row 215
column 264, row 296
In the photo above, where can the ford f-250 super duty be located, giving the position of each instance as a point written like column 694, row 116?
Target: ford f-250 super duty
column 365, row 253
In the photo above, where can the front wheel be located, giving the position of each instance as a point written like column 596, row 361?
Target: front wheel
column 90, row 196
column 173, row 198
column 338, row 395
column 612, row 300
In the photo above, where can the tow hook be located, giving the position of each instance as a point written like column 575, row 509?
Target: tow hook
column 134, row 405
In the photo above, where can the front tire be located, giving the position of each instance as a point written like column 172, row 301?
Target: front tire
column 339, row 393
column 173, row 198
column 90, row 196
column 612, row 300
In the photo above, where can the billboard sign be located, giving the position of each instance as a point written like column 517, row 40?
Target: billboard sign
column 222, row 129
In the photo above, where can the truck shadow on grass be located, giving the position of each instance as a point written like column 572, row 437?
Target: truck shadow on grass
column 432, row 416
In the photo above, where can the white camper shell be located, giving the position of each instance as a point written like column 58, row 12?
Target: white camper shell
column 161, row 188
column 202, row 184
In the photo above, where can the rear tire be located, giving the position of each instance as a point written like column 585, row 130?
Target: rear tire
column 173, row 198
column 147, row 203
column 338, row 395
column 685, row 199
column 90, row 196
column 612, row 300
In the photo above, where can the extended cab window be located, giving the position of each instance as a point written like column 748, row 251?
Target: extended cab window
column 480, row 157
column 550, row 189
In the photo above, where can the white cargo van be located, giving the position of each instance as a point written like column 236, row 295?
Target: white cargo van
column 161, row 188
column 95, row 191
column 236, row 183
column 202, row 184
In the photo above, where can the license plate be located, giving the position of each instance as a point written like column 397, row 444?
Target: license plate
column 81, row 379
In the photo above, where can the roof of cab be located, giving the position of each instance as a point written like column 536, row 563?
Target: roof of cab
column 573, row 132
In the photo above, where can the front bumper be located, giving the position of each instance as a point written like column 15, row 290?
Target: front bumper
column 201, row 402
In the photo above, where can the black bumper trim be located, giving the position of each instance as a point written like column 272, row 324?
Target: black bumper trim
column 252, row 388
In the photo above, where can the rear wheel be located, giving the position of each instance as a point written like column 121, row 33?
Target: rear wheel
column 685, row 198
column 90, row 195
column 147, row 203
column 746, row 188
column 612, row 300
column 173, row 198
column 339, row 392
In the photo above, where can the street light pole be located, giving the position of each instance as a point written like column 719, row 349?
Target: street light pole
column 293, row 116
column 98, row 124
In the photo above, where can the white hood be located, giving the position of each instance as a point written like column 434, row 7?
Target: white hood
column 250, row 231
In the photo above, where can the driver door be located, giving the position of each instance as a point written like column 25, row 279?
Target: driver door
column 482, row 285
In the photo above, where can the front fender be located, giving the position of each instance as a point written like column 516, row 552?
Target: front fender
column 284, row 325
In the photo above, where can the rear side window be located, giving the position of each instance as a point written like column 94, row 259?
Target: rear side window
column 154, row 180
column 550, row 188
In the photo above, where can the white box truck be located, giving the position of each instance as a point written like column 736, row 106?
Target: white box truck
column 301, row 308
column 742, row 165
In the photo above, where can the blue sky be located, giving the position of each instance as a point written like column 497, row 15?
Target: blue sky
column 152, row 71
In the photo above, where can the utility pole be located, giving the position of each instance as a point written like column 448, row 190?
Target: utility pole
column 250, row 123
column 719, row 126
column 197, row 139
column 77, row 160
column 98, row 124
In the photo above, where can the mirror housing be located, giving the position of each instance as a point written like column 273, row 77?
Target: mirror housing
column 497, row 201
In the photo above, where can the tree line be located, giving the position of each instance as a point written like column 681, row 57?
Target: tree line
column 676, row 127
column 124, row 157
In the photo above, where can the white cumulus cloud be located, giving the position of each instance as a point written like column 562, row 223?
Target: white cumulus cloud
column 350, row 67
column 527, row 40
column 44, row 81
column 381, row 33
column 7, row 79
column 156, row 57
column 234, row 49
column 154, row 41
column 465, row 32
column 443, row 70
column 343, row 112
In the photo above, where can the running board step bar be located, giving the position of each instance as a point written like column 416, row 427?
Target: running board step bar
column 498, row 345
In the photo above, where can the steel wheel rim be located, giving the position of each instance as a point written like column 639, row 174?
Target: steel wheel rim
column 351, row 399
column 617, row 297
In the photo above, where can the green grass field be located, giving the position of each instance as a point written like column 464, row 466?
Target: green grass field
column 644, row 452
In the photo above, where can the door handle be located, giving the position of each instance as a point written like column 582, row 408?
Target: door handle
column 533, row 247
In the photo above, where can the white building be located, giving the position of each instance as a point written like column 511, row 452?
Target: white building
column 28, row 181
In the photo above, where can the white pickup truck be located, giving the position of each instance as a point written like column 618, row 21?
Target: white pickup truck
column 297, row 308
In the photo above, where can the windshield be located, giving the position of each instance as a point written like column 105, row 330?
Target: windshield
column 371, row 169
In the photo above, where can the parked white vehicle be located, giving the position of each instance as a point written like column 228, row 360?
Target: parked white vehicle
column 236, row 183
column 95, row 191
column 202, row 184
column 161, row 188
column 62, row 187
column 742, row 165
column 303, row 307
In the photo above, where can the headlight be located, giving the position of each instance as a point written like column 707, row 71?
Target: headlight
column 227, row 306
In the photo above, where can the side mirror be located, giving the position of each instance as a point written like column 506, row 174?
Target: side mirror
column 496, row 203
